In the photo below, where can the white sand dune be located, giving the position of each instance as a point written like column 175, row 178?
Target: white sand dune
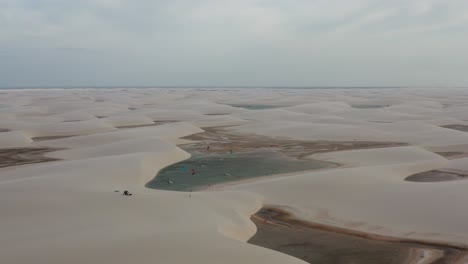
column 147, row 144
column 128, row 120
column 375, row 199
column 67, row 211
column 379, row 157
column 169, row 115
column 14, row 139
column 222, row 120
column 68, row 128
column 414, row 132
column 169, row 132
column 79, row 218
column 458, row 164
column 79, row 115
column 317, row 131
column 25, row 111
column 383, row 115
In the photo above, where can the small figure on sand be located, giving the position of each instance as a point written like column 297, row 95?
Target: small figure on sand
column 127, row 193
column 230, row 151
column 208, row 148
column 193, row 172
column 184, row 168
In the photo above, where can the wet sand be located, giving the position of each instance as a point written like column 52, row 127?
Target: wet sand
column 316, row 243
column 438, row 175
column 21, row 156
column 220, row 140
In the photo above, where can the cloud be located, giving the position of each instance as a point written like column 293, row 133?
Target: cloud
column 243, row 42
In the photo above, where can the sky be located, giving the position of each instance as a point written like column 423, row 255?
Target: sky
column 233, row 43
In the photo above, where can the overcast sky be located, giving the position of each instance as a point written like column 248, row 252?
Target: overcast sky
column 233, row 43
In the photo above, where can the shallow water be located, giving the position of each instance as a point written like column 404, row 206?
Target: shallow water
column 218, row 168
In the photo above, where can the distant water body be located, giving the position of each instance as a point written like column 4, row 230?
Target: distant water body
column 203, row 170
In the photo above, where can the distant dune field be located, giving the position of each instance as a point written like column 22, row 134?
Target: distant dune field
column 67, row 155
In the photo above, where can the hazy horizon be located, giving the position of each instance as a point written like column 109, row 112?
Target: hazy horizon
column 245, row 43
column 226, row 87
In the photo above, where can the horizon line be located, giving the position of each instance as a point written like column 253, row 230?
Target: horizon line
column 220, row 87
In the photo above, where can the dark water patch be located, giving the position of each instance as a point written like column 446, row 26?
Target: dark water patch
column 50, row 138
column 134, row 126
column 255, row 106
column 463, row 128
column 162, row 122
column 217, row 114
column 437, row 176
column 382, row 122
column 364, row 106
column 276, row 230
column 215, row 168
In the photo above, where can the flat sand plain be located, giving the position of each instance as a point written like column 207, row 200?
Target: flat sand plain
column 104, row 141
